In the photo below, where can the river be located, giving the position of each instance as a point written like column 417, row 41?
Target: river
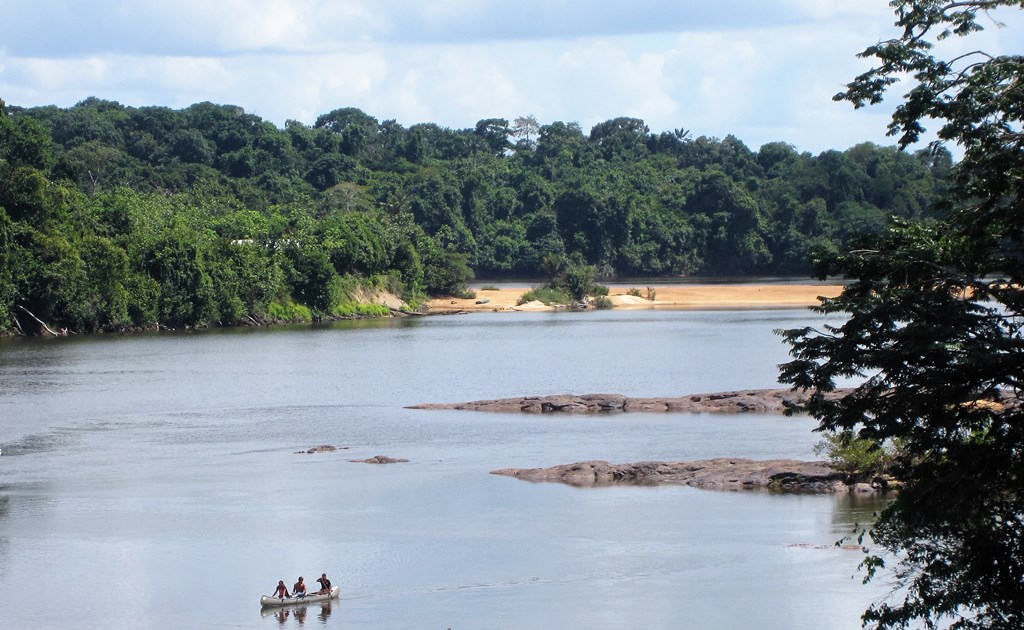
column 154, row 480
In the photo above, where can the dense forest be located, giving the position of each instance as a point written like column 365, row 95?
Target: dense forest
column 116, row 217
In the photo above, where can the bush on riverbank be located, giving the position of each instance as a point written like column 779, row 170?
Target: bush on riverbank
column 547, row 294
column 358, row 309
column 287, row 310
column 857, row 456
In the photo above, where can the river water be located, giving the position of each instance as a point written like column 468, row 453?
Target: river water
column 153, row 480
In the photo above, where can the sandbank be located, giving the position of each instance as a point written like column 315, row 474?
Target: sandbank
column 679, row 297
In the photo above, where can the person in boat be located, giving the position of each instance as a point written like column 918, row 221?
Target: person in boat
column 299, row 589
column 325, row 584
column 281, row 590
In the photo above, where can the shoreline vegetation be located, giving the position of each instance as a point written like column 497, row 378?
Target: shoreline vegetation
column 380, row 303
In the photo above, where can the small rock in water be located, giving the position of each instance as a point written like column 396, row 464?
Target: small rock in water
column 323, row 448
column 379, row 459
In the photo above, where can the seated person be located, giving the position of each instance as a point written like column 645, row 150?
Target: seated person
column 325, row 584
column 299, row 590
column 281, row 590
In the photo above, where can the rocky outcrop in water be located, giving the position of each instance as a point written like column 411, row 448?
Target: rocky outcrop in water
column 740, row 401
column 720, row 474
column 323, row 448
column 379, row 459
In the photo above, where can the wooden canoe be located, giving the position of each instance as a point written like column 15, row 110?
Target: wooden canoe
column 269, row 600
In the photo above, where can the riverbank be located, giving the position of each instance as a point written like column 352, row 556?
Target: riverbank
column 681, row 297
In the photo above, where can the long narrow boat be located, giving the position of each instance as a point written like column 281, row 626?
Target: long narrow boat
column 269, row 600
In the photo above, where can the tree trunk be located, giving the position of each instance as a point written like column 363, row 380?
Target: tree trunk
column 37, row 320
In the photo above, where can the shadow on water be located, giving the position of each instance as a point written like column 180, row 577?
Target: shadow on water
column 860, row 509
column 5, row 510
column 37, row 443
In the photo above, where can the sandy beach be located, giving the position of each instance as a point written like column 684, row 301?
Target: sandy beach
column 688, row 296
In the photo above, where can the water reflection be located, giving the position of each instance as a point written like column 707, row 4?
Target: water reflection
column 325, row 612
column 858, row 510
column 299, row 613
column 282, row 615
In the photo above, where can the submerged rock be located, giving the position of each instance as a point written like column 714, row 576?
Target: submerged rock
column 323, row 448
column 379, row 459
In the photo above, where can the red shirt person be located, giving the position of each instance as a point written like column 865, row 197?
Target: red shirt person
column 281, row 590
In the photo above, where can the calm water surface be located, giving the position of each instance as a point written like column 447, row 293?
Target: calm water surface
column 152, row 481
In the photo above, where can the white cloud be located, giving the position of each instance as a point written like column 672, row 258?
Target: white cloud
column 606, row 80
column 74, row 79
column 145, row 27
column 760, row 71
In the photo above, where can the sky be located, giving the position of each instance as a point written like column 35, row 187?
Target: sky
column 761, row 70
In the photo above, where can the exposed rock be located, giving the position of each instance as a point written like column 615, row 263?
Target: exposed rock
column 722, row 474
column 768, row 401
column 843, row 547
column 379, row 459
column 741, row 401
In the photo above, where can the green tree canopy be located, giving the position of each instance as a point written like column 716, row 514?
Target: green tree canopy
column 427, row 204
column 935, row 311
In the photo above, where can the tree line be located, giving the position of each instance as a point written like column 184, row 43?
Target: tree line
column 115, row 217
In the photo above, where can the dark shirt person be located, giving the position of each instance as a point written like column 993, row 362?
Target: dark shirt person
column 299, row 589
column 281, row 590
column 325, row 584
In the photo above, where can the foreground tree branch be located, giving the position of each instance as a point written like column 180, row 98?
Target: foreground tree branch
column 934, row 328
